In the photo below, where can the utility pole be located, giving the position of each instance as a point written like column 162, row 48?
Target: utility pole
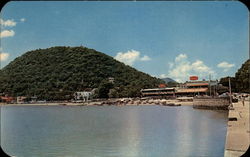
column 230, row 98
column 214, row 90
column 210, row 84
column 81, row 84
column 0, row 60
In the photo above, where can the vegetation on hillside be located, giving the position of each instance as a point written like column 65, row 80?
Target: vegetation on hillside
column 241, row 81
column 242, row 78
column 56, row 73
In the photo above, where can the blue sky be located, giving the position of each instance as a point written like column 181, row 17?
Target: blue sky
column 163, row 39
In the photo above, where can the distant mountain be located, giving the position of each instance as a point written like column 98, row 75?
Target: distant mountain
column 56, row 73
column 167, row 80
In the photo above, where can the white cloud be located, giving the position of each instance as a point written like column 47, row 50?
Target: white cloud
column 3, row 56
column 7, row 33
column 9, row 23
column 170, row 64
column 199, row 66
column 163, row 76
column 182, row 68
column 145, row 58
column 22, row 19
column 225, row 66
column 180, row 57
column 130, row 57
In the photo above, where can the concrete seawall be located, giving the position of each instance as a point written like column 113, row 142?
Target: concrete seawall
column 238, row 131
column 211, row 103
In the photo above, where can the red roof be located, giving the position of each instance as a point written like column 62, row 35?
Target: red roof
column 7, row 98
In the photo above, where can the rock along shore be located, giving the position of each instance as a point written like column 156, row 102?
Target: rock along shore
column 116, row 102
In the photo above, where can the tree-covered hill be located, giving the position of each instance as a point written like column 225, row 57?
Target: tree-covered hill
column 241, row 81
column 56, row 73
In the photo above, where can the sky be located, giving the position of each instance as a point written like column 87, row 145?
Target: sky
column 163, row 39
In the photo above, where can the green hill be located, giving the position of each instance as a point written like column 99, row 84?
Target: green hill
column 56, row 73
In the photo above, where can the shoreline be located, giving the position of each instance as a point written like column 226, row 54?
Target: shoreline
column 111, row 102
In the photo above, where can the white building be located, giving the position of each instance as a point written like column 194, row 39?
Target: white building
column 20, row 99
column 83, row 96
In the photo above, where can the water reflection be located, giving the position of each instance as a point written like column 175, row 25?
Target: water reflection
column 128, row 131
column 131, row 127
column 185, row 133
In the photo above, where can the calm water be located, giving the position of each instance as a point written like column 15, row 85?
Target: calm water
column 112, row 131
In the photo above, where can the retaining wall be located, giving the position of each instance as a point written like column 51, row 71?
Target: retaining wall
column 211, row 103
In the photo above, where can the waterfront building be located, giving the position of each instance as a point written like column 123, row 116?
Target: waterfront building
column 33, row 99
column 20, row 99
column 189, row 88
column 84, row 95
column 158, row 92
column 193, row 88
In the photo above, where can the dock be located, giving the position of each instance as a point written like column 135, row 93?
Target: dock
column 238, row 131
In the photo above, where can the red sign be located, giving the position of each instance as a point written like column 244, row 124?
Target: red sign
column 193, row 77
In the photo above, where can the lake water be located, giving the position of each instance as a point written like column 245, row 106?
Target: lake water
column 112, row 131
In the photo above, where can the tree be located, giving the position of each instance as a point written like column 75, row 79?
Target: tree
column 103, row 89
column 225, row 82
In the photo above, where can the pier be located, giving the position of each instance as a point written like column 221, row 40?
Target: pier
column 215, row 103
column 238, row 131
